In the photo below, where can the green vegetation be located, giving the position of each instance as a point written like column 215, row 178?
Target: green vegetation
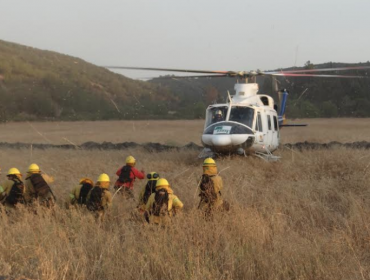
column 308, row 97
column 329, row 97
column 44, row 85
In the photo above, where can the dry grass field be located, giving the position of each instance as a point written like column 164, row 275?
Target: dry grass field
column 171, row 132
column 305, row 217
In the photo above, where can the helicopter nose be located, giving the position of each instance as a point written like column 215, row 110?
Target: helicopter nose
column 221, row 140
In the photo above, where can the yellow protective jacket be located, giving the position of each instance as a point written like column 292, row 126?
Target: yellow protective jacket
column 141, row 204
column 217, row 185
column 74, row 194
column 30, row 190
column 5, row 188
column 174, row 205
column 106, row 201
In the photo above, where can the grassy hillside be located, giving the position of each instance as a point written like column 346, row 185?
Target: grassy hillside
column 45, row 85
column 40, row 85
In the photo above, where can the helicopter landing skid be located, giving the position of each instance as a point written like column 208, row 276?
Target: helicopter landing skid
column 268, row 156
column 206, row 153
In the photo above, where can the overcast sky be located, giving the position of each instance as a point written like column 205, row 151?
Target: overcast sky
column 196, row 34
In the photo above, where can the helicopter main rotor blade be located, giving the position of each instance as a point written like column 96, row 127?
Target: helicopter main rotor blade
column 249, row 74
column 322, row 70
column 170, row 70
column 315, row 75
column 192, row 77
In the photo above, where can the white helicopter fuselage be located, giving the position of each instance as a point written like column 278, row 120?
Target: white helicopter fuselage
column 249, row 123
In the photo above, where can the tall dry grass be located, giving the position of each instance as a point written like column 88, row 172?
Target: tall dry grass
column 171, row 132
column 305, row 217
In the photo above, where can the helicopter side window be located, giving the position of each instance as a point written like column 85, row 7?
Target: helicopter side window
column 259, row 122
column 275, row 123
column 265, row 100
column 244, row 115
column 269, row 121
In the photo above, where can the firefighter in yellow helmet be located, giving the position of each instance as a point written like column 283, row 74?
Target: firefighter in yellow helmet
column 38, row 188
column 147, row 190
column 78, row 195
column 99, row 199
column 13, row 189
column 210, row 187
column 126, row 177
column 162, row 204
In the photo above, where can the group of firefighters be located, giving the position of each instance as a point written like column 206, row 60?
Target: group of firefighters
column 157, row 201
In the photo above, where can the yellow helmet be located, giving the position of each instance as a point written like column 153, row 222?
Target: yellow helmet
column 152, row 176
column 161, row 183
column 103, row 178
column 13, row 171
column 33, row 168
column 130, row 160
column 209, row 162
column 86, row 180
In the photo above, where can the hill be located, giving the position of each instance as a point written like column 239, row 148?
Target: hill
column 44, row 85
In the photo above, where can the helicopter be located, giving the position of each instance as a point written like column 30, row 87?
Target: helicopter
column 248, row 122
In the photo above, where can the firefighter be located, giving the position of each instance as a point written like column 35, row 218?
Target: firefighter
column 147, row 190
column 13, row 190
column 163, row 204
column 79, row 194
column 99, row 199
column 210, row 187
column 126, row 177
column 37, row 187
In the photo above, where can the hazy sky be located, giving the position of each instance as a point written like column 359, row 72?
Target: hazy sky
column 196, row 34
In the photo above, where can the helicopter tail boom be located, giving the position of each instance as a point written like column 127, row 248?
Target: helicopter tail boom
column 283, row 96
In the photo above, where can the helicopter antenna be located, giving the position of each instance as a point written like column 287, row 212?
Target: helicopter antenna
column 229, row 96
column 300, row 96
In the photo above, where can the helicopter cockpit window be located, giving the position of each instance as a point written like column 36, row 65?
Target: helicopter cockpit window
column 216, row 114
column 244, row 115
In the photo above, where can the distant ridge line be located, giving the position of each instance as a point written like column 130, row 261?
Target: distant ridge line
column 157, row 147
